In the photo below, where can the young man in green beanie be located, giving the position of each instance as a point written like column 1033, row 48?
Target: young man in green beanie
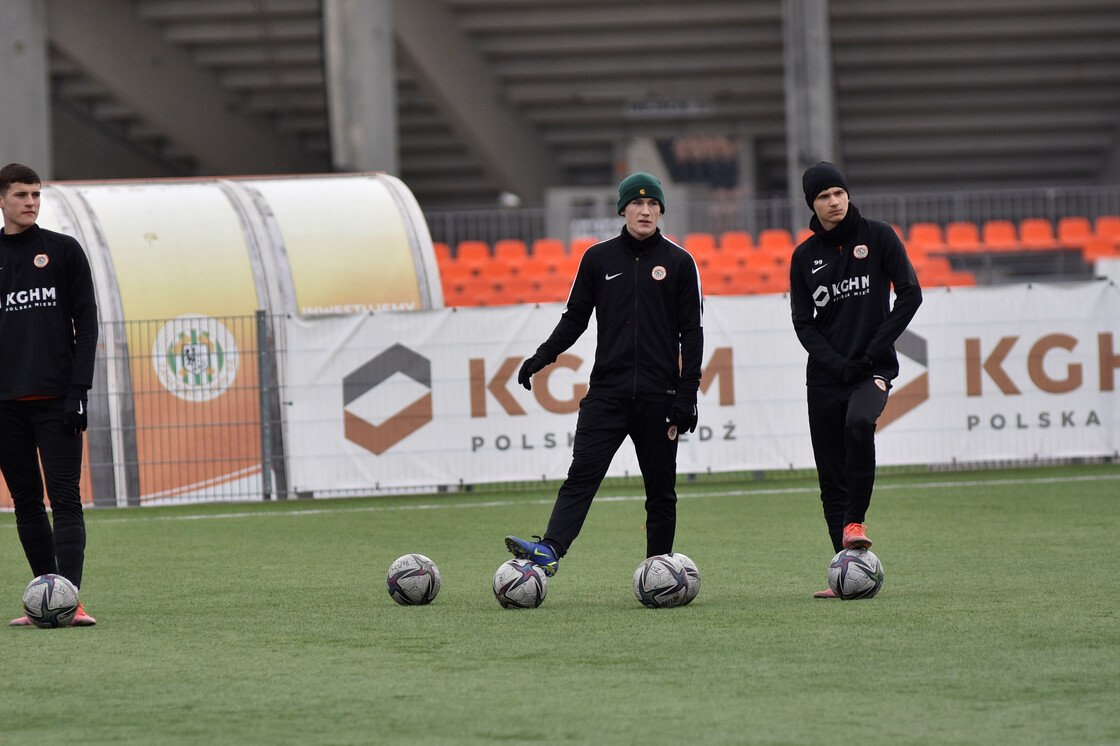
column 645, row 293
column 840, row 287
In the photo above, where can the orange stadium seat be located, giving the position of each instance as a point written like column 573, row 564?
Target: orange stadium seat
column 579, row 245
column 472, row 251
column 548, row 247
column 1100, row 247
column 1108, row 226
column 775, row 239
column 963, row 237
column 700, row 244
column 1074, row 231
column 510, row 249
column 442, row 251
column 735, row 241
column 926, row 237
column 1000, row 235
column 553, row 289
column 1037, row 234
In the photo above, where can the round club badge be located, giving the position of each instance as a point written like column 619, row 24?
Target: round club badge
column 659, row 273
column 195, row 357
column 860, row 252
column 41, row 260
column 671, row 433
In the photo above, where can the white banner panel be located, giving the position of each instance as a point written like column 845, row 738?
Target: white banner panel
column 421, row 398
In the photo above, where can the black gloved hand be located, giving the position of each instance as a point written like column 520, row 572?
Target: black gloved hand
column 531, row 366
column 74, row 414
column 683, row 414
column 855, row 371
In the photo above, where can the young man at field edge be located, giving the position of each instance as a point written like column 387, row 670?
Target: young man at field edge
column 645, row 293
column 48, row 337
column 840, row 285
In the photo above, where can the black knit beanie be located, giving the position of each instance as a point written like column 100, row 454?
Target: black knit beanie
column 819, row 177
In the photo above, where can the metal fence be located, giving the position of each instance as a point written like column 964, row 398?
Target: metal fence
column 724, row 214
column 185, row 409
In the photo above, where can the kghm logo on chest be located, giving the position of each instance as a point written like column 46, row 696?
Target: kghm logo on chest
column 31, row 297
column 851, row 284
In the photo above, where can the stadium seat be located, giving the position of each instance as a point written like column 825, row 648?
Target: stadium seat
column 700, row 244
column 1108, row 226
column 775, row 239
column 1037, row 234
column 926, row 237
column 1000, row 235
column 1100, row 247
column 472, row 251
column 730, row 241
column 579, row 245
column 511, row 254
column 963, row 237
column 473, row 255
column 442, row 251
column 548, row 247
column 553, row 288
column 510, row 249
column 1074, row 231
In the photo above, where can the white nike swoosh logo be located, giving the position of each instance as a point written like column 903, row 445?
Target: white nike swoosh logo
column 611, row 277
column 80, row 408
column 818, row 269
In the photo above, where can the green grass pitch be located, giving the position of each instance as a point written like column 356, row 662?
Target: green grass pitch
column 270, row 623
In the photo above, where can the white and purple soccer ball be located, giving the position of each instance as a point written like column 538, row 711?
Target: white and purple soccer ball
column 855, row 574
column 413, row 580
column 666, row 580
column 50, row 601
column 519, row 584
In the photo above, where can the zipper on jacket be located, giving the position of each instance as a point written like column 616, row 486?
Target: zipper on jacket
column 634, row 386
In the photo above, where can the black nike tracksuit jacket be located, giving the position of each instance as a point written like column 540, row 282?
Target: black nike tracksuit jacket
column 840, row 285
column 647, row 303
column 48, row 315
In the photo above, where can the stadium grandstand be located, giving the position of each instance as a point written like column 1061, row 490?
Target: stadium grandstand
column 512, row 120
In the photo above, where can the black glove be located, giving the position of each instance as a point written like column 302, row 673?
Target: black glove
column 528, row 368
column 74, row 414
column 683, row 415
column 855, row 371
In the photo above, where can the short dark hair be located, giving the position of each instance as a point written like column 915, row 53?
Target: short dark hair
column 17, row 173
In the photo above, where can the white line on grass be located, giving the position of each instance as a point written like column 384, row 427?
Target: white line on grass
column 616, row 498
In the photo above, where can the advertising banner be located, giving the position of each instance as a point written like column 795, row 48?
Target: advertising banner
column 431, row 398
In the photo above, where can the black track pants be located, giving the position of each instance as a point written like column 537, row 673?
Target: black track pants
column 602, row 426
column 842, row 426
column 30, row 431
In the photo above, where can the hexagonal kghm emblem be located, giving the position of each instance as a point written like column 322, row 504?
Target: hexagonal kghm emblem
column 902, row 400
column 380, row 438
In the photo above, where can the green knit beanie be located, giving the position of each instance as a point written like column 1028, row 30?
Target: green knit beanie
column 639, row 185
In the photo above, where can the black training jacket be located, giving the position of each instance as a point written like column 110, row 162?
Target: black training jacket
column 48, row 315
column 840, row 283
column 648, row 311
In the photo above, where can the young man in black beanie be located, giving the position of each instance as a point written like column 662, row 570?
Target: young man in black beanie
column 48, row 336
column 645, row 293
column 840, row 286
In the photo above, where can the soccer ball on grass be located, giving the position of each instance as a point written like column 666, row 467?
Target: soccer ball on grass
column 50, row 601
column 519, row 584
column 855, row 574
column 666, row 580
column 413, row 580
